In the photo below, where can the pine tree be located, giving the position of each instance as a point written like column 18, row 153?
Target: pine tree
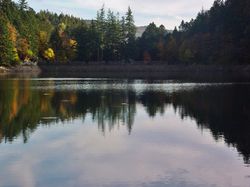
column 23, row 5
column 113, row 37
column 6, row 46
column 101, row 26
column 130, row 25
column 130, row 29
column 123, row 37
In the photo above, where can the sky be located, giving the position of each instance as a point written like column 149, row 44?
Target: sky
column 166, row 12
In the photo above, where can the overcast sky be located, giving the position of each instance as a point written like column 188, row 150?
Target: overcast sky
column 166, row 12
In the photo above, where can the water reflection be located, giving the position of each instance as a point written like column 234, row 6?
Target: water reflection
column 27, row 104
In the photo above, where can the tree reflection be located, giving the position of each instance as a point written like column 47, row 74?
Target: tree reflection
column 154, row 102
column 22, row 108
column 224, row 109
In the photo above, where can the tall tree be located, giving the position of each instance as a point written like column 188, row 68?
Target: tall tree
column 6, row 45
column 113, row 36
column 148, row 43
column 101, row 27
column 23, row 4
column 130, row 30
column 65, row 47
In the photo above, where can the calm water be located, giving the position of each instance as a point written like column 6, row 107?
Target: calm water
column 115, row 133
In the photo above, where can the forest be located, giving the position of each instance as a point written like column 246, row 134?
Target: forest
column 220, row 35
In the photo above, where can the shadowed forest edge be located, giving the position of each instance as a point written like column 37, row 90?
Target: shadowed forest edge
column 220, row 35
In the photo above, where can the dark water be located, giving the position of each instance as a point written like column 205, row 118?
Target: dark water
column 115, row 133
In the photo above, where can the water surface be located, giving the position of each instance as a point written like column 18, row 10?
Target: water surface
column 107, row 132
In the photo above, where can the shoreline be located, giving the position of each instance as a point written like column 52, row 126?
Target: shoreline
column 19, row 69
column 238, row 73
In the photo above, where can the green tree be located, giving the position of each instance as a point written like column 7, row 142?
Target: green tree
column 113, row 37
column 6, row 46
column 101, row 28
column 186, row 54
column 23, row 48
column 57, row 40
column 130, row 30
column 64, row 46
column 23, row 5
column 171, row 50
column 148, row 43
column 92, row 42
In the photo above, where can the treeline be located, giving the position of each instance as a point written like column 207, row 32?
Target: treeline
column 220, row 35
column 29, row 36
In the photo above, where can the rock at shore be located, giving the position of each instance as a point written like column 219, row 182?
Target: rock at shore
column 3, row 69
column 21, row 69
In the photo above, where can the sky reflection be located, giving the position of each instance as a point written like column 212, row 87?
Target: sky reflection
column 142, row 134
column 164, row 151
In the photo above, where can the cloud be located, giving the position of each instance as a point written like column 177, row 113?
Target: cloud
column 167, row 12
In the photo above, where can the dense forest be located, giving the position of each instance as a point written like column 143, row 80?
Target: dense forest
column 220, row 35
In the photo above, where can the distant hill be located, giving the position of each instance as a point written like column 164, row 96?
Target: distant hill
column 140, row 30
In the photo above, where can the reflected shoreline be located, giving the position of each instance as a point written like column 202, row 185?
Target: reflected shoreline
column 195, row 73
column 221, row 108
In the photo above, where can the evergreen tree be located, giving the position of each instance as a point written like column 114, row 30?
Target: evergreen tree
column 130, row 25
column 57, row 40
column 101, row 27
column 123, row 38
column 6, row 46
column 23, row 5
column 113, row 37
column 148, row 43
column 65, row 47
column 93, row 39
column 130, row 30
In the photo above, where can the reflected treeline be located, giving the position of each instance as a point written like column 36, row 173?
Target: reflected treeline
column 225, row 110
column 23, row 107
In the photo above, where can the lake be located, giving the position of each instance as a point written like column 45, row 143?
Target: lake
column 119, row 133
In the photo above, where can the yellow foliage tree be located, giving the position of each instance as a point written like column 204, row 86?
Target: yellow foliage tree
column 13, row 33
column 15, row 57
column 13, row 37
column 43, row 37
column 49, row 54
column 71, row 49
column 23, row 48
column 43, row 42
column 72, row 43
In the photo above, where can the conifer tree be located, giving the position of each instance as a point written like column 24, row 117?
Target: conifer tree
column 6, row 46
column 113, row 37
column 23, row 5
column 101, row 27
column 130, row 29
